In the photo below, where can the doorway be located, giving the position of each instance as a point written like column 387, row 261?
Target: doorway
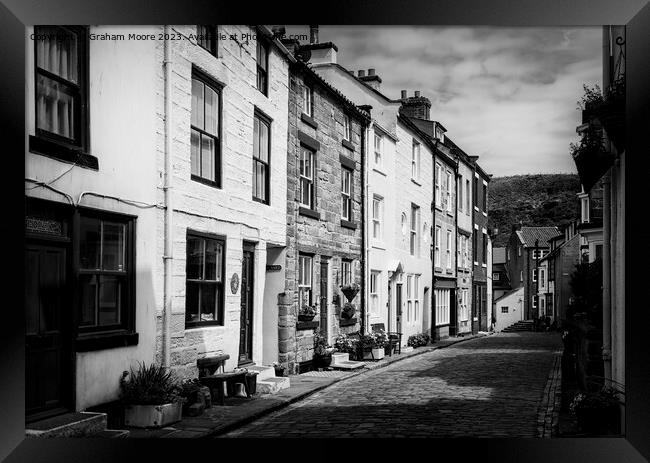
column 324, row 312
column 48, row 336
column 398, row 306
column 247, row 298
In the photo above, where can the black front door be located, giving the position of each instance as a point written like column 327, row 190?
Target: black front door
column 323, row 297
column 453, row 314
column 246, row 320
column 398, row 306
column 48, row 360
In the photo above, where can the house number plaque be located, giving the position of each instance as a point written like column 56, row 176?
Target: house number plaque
column 234, row 283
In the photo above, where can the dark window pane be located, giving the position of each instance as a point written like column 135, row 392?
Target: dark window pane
column 89, row 243
column 56, row 107
column 197, row 103
column 208, row 301
column 194, row 268
column 110, row 294
column 256, row 138
column 211, row 111
column 264, row 142
column 207, row 157
column 58, row 52
column 192, row 294
column 195, row 153
column 113, row 248
column 213, row 260
column 88, row 299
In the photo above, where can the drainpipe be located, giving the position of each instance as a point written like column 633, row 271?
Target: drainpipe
column 607, row 262
column 168, row 255
column 364, row 228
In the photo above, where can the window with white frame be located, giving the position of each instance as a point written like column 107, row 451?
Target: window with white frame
column 449, row 205
column 307, row 100
column 347, row 128
column 534, row 275
column 464, row 307
column 584, row 209
column 442, row 299
column 416, row 296
column 378, row 149
column 375, row 284
column 521, row 275
column 409, row 297
column 307, row 177
column 437, row 247
column 377, row 217
column 415, row 220
column 346, row 194
column 542, row 278
column 534, row 302
column 438, row 192
column 460, row 193
column 346, row 272
column 304, row 281
column 415, row 161
column 504, row 309
column 449, row 249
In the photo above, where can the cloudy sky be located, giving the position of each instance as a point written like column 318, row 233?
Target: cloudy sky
column 508, row 95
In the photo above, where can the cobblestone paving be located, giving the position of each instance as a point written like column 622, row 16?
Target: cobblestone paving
column 486, row 387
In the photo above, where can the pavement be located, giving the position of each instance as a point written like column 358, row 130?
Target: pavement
column 236, row 412
column 501, row 385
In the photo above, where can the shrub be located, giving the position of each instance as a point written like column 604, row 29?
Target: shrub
column 418, row 340
column 150, row 385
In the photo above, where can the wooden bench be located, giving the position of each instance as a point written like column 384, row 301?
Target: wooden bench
column 210, row 377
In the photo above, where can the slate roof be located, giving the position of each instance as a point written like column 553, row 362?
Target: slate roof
column 528, row 235
column 498, row 255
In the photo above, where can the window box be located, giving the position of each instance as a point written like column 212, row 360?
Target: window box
column 347, row 322
column 348, row 224
column 309, row 120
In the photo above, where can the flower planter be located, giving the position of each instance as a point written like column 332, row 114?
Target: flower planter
column 322, row 361
column 348, row 311
column 279, row 372
column 152, row 416
column 305, row 318
column 376, row 353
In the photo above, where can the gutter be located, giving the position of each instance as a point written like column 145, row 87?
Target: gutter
column 167, row 188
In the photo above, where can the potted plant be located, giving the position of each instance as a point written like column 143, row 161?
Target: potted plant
column 350, row 291
column 344, row 344
column 322, row 351
column 348, row 311
column 306, row 313
column 150, row 396
column 372, row 345
column 418, row 340
column 598, row 412
column 196, row 397
column 279, row 369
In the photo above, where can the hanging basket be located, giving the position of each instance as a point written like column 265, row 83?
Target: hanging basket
column 350, row 292
column 348, row 311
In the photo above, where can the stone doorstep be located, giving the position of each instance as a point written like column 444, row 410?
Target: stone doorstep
column 263, row 371
column 90, row 425
column 273, row 385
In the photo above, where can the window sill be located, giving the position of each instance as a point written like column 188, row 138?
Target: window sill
column 193, row 325
column 416, row 182
column 308, row 120
column 100, row 341
column 379, row 246
column 485, row 214
column 60, row 152
column 376, row 169
column 450, row 214
column 484, row 265
column 348, row 224
column 348, row 145
column 261, row 201
column 309, row 212
column 476, row 208
column 306, row 325
column 439, row 207
column 205, row 181
column 450, row 272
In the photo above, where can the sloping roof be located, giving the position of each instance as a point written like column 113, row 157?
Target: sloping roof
column 510, row 293
column 498, row 255
column 528, row 235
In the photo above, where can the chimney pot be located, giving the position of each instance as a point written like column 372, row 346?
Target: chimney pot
column 313, row 34
column 371, row 71
column 351, row 73
column 403, row 94
column 362, row 73
column 417, row 94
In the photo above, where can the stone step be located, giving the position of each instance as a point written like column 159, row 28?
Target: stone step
column 74, row 424
column 264, row 372
column 347, row 365
column 406, row 349
column 112, row 433
column 272, row 385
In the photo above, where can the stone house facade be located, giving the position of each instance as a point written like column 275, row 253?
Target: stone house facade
column 480, row 244
column 324, row 215
column 228, row 190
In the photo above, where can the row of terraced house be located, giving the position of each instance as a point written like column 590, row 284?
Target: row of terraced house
column 190, row 195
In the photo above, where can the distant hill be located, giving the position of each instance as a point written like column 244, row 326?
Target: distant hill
column 535, row 200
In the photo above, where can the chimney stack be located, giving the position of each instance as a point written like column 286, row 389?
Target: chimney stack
column 362, row 73
column 371, row 72
column 372, row 80
column 416, row 106
column 351, row 73
column 313, row 34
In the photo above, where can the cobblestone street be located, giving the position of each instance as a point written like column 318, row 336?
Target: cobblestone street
column 492, row 386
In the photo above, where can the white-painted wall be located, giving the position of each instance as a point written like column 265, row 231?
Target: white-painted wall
column 515, row 304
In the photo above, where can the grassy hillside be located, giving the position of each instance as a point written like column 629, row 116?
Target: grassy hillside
column 535, row 200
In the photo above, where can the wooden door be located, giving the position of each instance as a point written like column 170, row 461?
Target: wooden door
column 48, row 357
column 324, row 325
column 246, row 320
column 398, row 306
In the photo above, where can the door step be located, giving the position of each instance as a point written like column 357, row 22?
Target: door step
column 263, row 372
column 341, row 361
column 76, row 424
column 272, row 385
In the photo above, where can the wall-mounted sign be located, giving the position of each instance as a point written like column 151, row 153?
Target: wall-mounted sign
column 234, row 283
column 273, row 268
column 41, row 225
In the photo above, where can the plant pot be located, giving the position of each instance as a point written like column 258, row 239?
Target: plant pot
column 322, row 361
column 279, row 372
column 305, row 318
column 251, row 382
column 598, row 420
column 152, row 416
column 376, row 353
